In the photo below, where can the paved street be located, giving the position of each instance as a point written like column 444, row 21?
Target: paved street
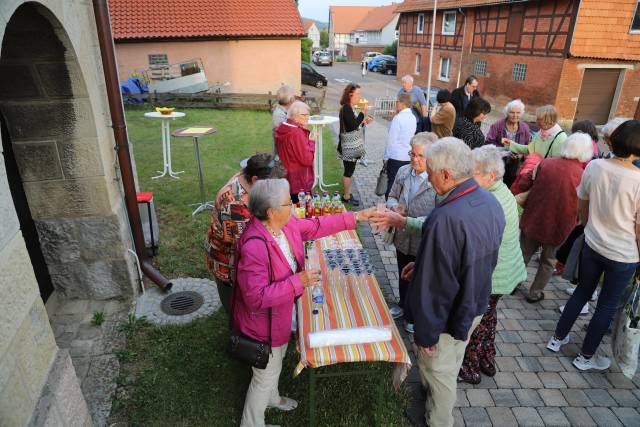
column 533, row 386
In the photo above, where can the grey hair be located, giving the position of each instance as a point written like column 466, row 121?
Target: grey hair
column 423, row 138
column 296, row 108
column 450, row 154
column 515, row 103
column 267, row 194
column 488, row 158
column 407, row 78
column 577, row 146
column 285, row 95
column 612, row 125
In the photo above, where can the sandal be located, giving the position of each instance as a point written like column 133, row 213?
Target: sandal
column 488, row 368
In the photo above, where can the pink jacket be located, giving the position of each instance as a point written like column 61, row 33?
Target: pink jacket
column 255, row 295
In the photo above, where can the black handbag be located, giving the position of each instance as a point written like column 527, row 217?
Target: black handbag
column 241, row 347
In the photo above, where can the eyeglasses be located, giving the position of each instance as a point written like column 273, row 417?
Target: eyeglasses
column 288, row 204
column 304, row 115
column 412, row 155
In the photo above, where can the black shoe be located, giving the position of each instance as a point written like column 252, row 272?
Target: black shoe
column 533, row 300
column 416, row 413
column 351, row 200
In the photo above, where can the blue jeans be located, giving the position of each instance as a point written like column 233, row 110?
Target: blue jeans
column 616, row 278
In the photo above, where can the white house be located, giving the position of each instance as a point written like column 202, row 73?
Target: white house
column 342, row 22
column 378, row 27
column 312, row 31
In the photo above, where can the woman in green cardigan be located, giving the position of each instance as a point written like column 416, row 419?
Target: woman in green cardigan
column 548, row 140
column 509, row 272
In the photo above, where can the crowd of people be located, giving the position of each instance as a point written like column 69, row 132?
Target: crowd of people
column 466, row 213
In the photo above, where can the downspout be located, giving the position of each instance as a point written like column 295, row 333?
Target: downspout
column 464, row 33
column 105, row 38
column 433, row 38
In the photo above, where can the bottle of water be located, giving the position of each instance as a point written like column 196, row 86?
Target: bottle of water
column 301, row 199
column 318, row 297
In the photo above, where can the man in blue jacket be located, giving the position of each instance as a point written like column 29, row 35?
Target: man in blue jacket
column 451, row 279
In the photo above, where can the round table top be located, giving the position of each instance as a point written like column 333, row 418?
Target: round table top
column 322, row 120
column 156, row 115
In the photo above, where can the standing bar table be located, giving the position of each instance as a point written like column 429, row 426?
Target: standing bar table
column 166, row 141
column 196, row 132
column 318, row 123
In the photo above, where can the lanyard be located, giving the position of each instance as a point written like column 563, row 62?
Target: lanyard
column 460, row 194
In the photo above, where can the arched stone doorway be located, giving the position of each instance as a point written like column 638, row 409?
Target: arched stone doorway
column 54, row 109
column 51, row 124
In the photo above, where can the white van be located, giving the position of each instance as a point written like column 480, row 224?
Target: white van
column 368, row 56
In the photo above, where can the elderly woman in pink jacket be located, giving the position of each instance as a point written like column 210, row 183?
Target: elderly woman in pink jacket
column 270, row 276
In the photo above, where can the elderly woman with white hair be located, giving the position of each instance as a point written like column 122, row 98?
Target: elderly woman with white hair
column 509, row 272
column 270, row 276
column 607, row 130
column 551, row 206
column 512, row 127
column 411, row 196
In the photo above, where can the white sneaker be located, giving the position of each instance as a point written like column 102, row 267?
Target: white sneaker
column 408, row 327
column 396, row 312
column 555, row 344
column 572, row 289
column 585, row 309
column 599, row 363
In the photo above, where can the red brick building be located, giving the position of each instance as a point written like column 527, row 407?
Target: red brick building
column 581, row 55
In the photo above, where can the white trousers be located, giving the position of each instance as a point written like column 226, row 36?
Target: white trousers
column 263, row 389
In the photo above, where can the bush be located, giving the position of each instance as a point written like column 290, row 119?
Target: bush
column 305, row 49
column 391, row 49
column 341, row 59
column 324, row 39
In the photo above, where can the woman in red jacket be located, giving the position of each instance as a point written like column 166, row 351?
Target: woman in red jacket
column 550, row 210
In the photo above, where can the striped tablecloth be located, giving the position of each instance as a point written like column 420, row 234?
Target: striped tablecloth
column 350, row 301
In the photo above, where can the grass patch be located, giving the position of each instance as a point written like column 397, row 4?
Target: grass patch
column 240, row 135
column 182, row 375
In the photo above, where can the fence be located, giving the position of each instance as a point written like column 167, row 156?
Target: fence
column 385, row 107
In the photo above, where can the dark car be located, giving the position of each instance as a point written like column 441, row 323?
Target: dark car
column 311, row 77
column 432, row 98
column 388, row 66
column 375, row 62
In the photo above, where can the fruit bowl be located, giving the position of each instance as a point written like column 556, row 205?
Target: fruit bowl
column 165, row 111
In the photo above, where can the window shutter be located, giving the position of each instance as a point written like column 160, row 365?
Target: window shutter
column 514, row 26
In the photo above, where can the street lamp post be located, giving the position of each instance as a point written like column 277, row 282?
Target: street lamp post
column 433, row 38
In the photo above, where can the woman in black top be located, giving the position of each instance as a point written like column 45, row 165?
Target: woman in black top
column 467, row 127
column 348, row 123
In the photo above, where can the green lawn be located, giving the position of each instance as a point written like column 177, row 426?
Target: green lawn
column 181, row 375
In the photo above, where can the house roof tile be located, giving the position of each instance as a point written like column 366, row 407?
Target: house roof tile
column 418, row 5
column 162, row 19
column 377, row 18
column 307, row 23
column 345, row 18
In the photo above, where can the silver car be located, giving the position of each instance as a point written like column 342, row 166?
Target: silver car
column 323, row 58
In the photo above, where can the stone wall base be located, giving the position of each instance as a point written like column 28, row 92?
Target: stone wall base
column 61, row 402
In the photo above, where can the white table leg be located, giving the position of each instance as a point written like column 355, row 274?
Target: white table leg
column 320, row 173
column 171, row 172
column 165, row 169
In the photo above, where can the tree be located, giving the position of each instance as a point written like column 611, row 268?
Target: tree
column 324, row 39
column 305, row 49
column 391, row 49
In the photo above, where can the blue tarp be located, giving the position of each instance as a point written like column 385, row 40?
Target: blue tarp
column 131, row 87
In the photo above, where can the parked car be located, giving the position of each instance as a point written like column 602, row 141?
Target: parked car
column 375, row 62
column 323, row 58
column 388, row 66
column 368, row 56
column 311, row 77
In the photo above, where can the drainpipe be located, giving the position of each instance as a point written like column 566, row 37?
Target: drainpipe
column 103, row 26
column 464, row 33
column 433, row 38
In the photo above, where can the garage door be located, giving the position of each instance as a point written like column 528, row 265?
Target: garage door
column 596, row 95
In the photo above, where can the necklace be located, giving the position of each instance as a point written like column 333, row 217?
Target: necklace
column 622, row 160
column 270, row 230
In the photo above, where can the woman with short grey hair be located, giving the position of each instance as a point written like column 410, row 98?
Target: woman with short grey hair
column 607, row 130
column 285, row 96
column 412, row 196
column 270, row 276
column 551, row 205
column 508, row 273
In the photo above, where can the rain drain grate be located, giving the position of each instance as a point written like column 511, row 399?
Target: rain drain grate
column 182, row 303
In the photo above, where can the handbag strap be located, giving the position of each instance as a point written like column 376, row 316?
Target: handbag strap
column 551, row 145
column 235, row 287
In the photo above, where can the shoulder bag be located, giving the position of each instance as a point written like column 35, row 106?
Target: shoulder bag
column 383, row 182
column 241, row 347
column 351, row 143
column 551, row 145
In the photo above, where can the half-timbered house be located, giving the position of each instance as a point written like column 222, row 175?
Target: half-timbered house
column 581, row 55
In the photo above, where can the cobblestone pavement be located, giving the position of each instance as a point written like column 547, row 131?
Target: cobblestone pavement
column 91, row 348
column 533, row 386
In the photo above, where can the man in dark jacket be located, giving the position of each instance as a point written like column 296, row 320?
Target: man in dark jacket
column 451, row 278
column 461, row 96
